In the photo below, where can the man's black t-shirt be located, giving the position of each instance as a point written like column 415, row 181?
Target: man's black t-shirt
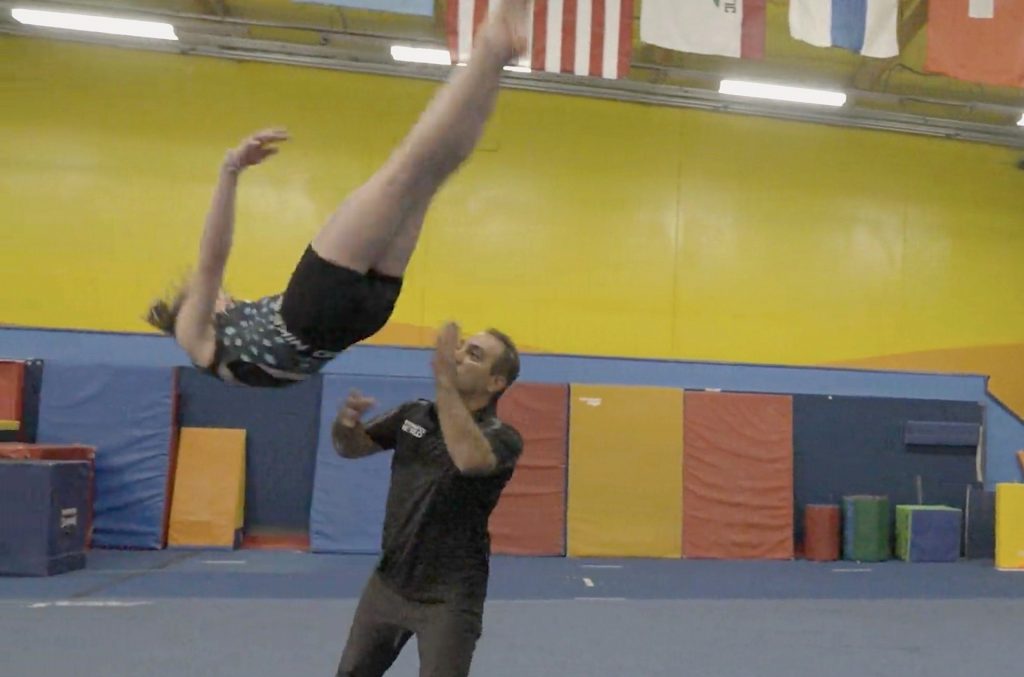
column 436, row 545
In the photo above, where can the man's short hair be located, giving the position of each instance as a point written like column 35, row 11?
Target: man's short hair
column 507, row 363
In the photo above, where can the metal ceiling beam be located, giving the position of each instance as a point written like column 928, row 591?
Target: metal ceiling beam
column 368, row 58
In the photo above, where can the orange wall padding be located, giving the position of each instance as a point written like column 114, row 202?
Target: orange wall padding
column 530, row 517
column 209, row 488
column 625, row 471
column 12, row 382
column 738, row 476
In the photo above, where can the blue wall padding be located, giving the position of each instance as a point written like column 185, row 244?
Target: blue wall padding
column 1003, row 431
column 127, row 413
column 280, row 443
column 935, row 535
column 349, row 495
column 854, row 445
column 942, row 433
column 30, row 402
column 980, row 523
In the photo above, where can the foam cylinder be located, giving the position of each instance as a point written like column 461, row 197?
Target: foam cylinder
column 822, row 532
column 867, row 529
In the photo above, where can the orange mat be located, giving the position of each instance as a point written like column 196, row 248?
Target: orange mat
column 625, row 471
column 209, row 488
column 738, row 476
column 530, row 517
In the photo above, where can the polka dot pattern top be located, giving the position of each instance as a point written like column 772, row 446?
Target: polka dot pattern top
column 253, row 332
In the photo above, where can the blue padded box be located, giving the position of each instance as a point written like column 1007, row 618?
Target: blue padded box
column 43, row 516
column 928, row 533
column 935, row 535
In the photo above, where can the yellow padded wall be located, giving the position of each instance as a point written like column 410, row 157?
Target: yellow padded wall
column 1010, row 525
column 728, row 238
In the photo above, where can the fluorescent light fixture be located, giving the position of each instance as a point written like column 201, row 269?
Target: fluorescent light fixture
column 1020, row 123
column 439, row 57
column 95, row 24
column 760, row 90
column 460, row 64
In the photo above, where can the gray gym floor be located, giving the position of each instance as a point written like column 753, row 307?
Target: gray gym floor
column 262, row 613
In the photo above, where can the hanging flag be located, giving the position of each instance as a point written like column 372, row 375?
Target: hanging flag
column 418, row 7
column 722, row 27
column 584, row 37
column 977, row 40
column 867, row 27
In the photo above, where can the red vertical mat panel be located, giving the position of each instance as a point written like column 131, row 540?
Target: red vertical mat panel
column 737, row 476
column 12, row 383
column 530, row 517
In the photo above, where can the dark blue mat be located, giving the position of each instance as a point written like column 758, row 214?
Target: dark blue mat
column 854, row 445
column 280, row 443
column 127, row 413
column 349, row 495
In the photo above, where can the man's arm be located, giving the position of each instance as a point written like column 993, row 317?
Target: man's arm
column 469, row 449
column 351, row 441
column 354, row 440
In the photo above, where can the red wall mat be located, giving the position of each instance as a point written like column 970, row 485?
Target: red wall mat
column 737, row 476
column 530, row 517
column 271, row 539
column 12, row 384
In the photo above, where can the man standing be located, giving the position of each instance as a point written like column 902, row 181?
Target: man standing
column 452, row 460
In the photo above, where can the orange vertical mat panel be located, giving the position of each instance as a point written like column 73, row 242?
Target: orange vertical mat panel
column 625, row 471
column 209, row 488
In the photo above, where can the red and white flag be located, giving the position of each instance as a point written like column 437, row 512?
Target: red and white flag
column 584, row 37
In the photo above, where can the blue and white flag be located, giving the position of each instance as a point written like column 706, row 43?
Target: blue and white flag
column 867, row 27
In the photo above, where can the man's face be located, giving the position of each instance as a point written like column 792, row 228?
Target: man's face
column 474, row 359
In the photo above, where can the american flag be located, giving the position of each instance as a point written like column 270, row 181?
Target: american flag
column 583, row 37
